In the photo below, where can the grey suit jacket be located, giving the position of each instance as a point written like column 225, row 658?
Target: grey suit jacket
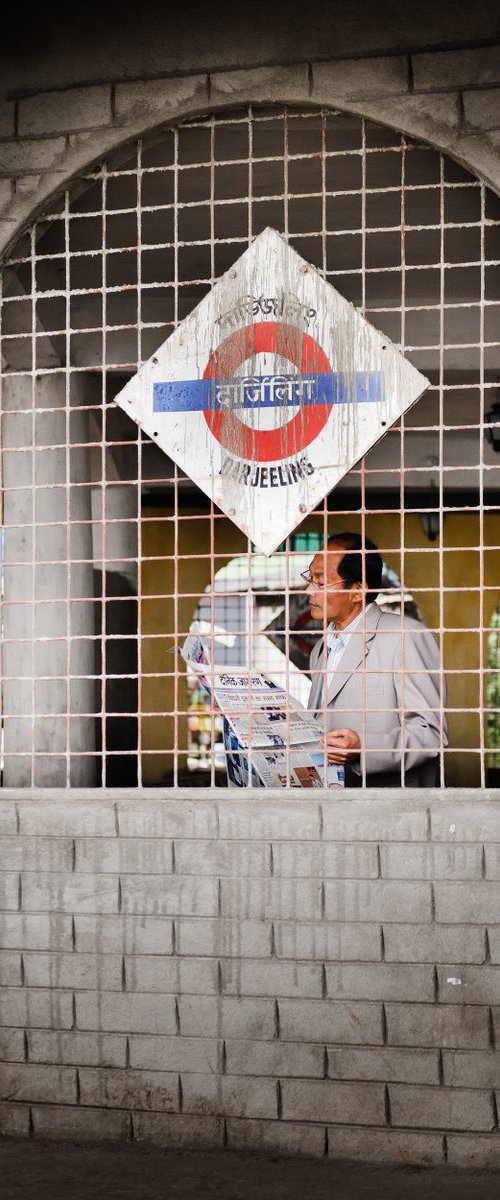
column 388, row 688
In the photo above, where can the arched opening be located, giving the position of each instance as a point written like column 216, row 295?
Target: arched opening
column 107, row 545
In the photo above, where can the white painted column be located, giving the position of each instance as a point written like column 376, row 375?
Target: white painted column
column 115, row 529
column 48, row 612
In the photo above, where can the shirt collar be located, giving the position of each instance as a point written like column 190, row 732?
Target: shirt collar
column 342, row 634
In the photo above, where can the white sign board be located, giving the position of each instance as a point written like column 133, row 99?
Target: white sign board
column 270, row 391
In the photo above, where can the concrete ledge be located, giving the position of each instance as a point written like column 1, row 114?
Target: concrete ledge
column 423, row 796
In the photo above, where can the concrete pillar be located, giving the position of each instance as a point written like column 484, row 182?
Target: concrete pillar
column 49, row 691
column 115, row 531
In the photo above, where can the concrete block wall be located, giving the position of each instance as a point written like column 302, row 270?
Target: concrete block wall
column 309, row 976
column 52, row 126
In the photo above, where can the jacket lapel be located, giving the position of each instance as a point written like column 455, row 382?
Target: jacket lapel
column 357, row 650
column 319, row 663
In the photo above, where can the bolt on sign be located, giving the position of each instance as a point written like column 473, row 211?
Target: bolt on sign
column 270, row 390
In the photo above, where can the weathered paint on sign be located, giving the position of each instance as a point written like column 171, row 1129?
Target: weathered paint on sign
column 270, row 390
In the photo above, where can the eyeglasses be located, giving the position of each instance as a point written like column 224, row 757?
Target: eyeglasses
column 308, row 578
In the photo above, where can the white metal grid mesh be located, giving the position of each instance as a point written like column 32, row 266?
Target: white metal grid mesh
column 108, row 548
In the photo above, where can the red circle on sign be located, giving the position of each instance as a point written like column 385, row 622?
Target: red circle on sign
column 267, row 445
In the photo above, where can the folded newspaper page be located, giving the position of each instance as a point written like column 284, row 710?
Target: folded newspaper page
column 282, row 738
column 304, row 768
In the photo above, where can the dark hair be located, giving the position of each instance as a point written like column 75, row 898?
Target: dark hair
column 363, row 566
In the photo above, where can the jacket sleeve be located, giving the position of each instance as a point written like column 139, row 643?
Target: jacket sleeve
column 418, row 732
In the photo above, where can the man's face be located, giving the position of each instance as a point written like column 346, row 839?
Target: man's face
column 332, row 602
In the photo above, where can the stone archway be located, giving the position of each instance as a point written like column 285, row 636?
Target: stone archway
column 378, row 89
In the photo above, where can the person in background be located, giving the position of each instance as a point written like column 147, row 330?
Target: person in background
column 377, row 684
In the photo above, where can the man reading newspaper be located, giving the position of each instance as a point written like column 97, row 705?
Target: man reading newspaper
column 378, row 690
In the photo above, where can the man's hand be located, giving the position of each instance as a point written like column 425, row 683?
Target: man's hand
column 341, row 745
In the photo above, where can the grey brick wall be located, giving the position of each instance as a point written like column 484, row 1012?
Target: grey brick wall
column 310, row 977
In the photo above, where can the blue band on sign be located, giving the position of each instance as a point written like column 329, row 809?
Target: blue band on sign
column 269, row 391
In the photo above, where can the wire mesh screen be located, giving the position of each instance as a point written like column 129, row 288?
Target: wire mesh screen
column 112, row 557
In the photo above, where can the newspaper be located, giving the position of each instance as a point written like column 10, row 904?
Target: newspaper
column 259, row 712
column 259, row 717
column 303, row 768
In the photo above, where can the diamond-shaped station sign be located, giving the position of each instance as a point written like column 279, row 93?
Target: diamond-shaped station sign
column 270, row 390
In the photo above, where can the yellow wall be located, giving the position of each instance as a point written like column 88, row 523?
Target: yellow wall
column 163, row 616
